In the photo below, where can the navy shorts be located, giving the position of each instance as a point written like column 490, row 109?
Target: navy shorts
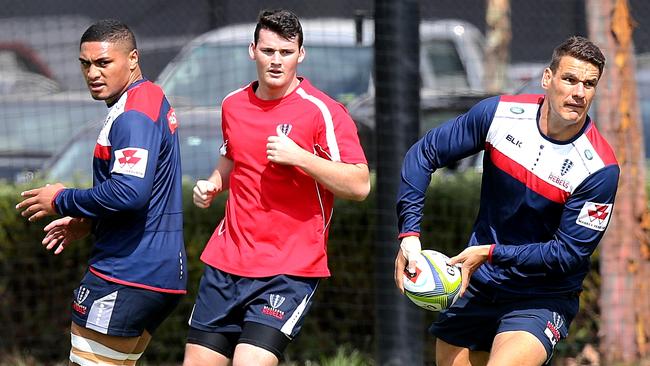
column 119, row 310
column 225, row 302
column 475, row 319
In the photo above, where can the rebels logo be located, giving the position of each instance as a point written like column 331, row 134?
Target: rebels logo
column 131, row 161
column 275, row 301
column 82, row 295
column 552, row 330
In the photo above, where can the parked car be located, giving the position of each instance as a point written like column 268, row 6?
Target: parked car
column 23, row 72
column 33, row 128
column 200, row 139
column 338, row 60
column 435, row 109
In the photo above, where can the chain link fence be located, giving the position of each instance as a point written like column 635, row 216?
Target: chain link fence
column 197, row 51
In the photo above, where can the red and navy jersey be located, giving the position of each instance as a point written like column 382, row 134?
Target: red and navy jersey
column 136, row 199
column 277, row 216
column 545, row 204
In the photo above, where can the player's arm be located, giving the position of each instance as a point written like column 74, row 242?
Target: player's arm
column 135, row 148
column 219, row 181
column 453, row 140
column 582, row 225
column 348, row 181
column 342, row 170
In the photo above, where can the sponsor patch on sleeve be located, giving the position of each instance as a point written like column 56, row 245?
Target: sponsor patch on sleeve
column 131, row 161
column 595, row 215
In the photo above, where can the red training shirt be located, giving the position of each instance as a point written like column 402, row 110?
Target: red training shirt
column 277, row 216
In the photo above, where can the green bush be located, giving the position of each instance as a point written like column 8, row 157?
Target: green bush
column 36, row 286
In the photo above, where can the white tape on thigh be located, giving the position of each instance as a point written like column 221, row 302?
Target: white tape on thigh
column 81, row 361
column 134, row 356
column 96, row 348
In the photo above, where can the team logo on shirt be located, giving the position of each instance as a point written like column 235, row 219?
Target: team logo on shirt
column 284, row 129
column 566, row 166
column 172, row 122
column 82, row 295
column 595, row 215
column 131, row 161
column 275, row 301
column 516, row 110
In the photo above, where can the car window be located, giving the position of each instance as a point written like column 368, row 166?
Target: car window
column 199, row 152
column 43, row 126
column 341, row 72
column 445, row 65
column 208, row 73
column 435, row 118
column 75, row 162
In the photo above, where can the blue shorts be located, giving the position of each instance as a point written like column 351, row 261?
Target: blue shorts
column 225, row 302
column 119, row 310
column 475, row 319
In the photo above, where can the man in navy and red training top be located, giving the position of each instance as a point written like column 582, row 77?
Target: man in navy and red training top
column 288, row 150
column 137, row 269
column 549, row 182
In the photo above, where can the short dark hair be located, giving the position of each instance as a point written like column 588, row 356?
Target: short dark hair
column 109, row 30
column 283, row 22
column 580, row 48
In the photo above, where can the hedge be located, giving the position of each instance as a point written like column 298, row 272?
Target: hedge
column 36, row 286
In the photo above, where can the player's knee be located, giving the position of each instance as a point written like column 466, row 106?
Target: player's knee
column 87, row 352
column 248, row 354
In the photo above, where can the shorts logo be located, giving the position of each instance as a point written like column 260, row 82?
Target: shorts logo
column 82, row 295
column 275, row 301
column 552, row 329
column 131, row 161
column 595, row 215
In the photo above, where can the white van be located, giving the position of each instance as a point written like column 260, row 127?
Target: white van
column 339, row 60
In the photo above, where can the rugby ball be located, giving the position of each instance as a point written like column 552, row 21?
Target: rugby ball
column 435, row 285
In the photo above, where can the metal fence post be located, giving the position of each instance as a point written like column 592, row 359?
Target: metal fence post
column 397, row 81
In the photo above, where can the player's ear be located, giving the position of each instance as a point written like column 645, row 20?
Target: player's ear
column 301, row 54
column 546, row 78
column 251, row 50
column 134, row 58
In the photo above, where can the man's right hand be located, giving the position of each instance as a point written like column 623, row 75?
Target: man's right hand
column 410, row 248
column 204, row 192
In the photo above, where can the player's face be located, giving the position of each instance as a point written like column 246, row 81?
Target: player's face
column 570, row 89
column 108, row 68
column 277, row 61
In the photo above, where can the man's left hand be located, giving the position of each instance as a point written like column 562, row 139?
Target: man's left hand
column 37, row 203
column 470, row 259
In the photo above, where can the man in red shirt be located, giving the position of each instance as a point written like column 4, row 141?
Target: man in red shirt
column 288, row 150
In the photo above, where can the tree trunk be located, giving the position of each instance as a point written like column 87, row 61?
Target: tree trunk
column 624, row 254
column 497, row 45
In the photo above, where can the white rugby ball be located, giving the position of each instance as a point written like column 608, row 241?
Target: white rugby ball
column 435, row 285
